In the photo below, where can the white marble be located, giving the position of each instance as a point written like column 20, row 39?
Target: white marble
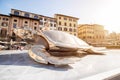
column 17, row 65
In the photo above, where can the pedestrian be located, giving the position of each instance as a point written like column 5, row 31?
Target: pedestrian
column 17, row 47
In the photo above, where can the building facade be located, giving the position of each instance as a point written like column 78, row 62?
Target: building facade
column 47, row 21
column 22, row 19
column 113, row 39
column 68, row 24
column 4, row 26
column 93, row 34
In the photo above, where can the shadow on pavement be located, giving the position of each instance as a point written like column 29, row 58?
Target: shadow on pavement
column 23, row 59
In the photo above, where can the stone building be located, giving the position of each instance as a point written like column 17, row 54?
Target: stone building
column 47, row 21
column 93, row 34
column 67, row 23
column 4, row 26
column 113, row 39
column 22, row 19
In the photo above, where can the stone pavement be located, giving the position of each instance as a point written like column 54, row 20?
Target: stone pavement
column 17, row 65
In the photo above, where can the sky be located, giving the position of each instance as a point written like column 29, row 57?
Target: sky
column 103, row 12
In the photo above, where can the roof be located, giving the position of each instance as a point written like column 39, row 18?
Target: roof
column 23, row 17
column 66, row 16
column 4, row 15
column 34, row 13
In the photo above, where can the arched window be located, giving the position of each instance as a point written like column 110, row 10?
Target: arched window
column 4, row 24
column 35, row 28
column 74, row 30
column 70, row 29
column 59, row 23
column 3, row 32
column 70, row 24
column 41, row 23
column 65, row 24
column 65, row 29
column 51, row 24
column 74, row 25
column 54, row 25
column 59, row 28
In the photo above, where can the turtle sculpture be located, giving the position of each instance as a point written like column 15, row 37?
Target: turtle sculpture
column 56, row 47
column 59, row 48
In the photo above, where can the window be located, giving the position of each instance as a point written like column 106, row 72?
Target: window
column 90, row 37
column 74, row 20
column 26, row 22
column 40, row 28
column 6, row 19
column 15, row 20
column 59, row 23
column 59, row 17
column 45, row 19
column 3, row 18
column 84, row 37
column 16, row 12
column 70, row 19
column 59, row 28
column 65, row 29
column 35, row 28
column 41, row 23
column 65, row 18
column 36, row 17
column 4, row 24
column 35, row 23
column 26, row 15
column 3, row 32
column 74, row 30
column 74, row 25
column 51, row 24
column 41, row 18
column 70, row 24
column 54, row 25
column 65, row 24
column 70, row 29
column 14, row 25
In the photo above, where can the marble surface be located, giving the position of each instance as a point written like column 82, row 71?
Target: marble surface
column 17, row 65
